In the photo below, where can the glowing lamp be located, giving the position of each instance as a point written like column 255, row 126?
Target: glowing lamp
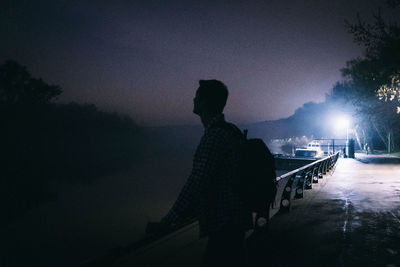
column 342, row 123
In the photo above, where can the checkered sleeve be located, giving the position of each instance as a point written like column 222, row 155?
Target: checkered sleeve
column 205, row 163
column 185, row 204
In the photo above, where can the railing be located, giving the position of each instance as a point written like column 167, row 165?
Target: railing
column 291, row 186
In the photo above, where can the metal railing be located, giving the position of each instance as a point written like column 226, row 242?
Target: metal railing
column 290, row 186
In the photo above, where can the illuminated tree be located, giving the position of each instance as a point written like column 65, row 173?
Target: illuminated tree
column 371, row 82
column 376, row 75
column 391, row 91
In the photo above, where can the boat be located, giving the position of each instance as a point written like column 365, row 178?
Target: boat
column 313, row 150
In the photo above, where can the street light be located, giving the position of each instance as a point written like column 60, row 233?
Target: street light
column 343, row 122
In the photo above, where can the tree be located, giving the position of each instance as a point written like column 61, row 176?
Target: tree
column 378, row 72
column 18, row 87
column 391, row 91
column 371, row 82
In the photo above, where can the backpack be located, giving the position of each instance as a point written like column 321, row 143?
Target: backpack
column 257, row 183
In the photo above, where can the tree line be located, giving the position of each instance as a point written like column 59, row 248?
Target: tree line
column 42, row 141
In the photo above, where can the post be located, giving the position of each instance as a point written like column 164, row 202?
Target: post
column 350, row 148
column 389, row 143
column 333, row 145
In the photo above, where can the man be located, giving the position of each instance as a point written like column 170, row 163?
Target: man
column 211, row 191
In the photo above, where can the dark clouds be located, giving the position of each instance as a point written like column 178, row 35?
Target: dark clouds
column 145, row 57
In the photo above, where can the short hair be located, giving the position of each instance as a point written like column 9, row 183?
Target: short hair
column 214, row 93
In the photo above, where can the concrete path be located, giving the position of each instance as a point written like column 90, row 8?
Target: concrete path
column 350, row 218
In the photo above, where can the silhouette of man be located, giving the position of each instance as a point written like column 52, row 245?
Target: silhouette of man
column 209, row 193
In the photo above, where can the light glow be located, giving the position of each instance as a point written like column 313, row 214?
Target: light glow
column 342, row 123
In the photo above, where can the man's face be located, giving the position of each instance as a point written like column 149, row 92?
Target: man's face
column 196, row 103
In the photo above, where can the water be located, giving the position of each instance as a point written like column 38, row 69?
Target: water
column 88, row 220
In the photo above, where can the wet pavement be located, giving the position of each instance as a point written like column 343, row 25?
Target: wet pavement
column 350, row 218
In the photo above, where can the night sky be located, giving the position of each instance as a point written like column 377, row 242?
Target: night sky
column 144, row 58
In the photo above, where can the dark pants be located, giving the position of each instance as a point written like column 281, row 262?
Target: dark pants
column 225, row 248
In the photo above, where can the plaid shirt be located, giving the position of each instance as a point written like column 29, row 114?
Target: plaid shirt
column 208, row 193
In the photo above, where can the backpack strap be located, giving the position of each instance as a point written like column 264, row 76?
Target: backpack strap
column 231, row 127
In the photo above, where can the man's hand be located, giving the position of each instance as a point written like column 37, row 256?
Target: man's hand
column 157, row 227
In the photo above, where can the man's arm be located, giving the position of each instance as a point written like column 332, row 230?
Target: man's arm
column 185, row 204
column 204, row 166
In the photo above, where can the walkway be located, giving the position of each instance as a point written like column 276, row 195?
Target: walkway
column 350, row 218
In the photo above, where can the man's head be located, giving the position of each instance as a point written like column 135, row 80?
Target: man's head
column 210, row 97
